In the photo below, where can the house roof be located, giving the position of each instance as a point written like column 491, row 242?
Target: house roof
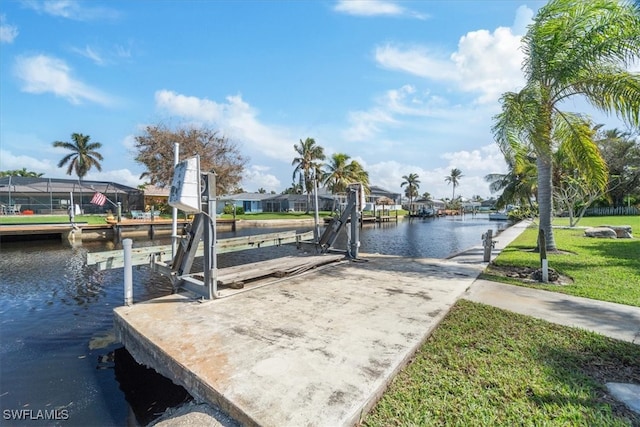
column 246, row 196
column 22, row 184
column 152, row 190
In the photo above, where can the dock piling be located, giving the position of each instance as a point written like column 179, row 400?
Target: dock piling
column 127, row 245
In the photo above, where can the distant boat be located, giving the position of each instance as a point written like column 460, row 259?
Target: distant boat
column 498, row 216
column 503, row 215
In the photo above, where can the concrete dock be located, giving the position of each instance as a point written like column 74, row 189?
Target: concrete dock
column 317, row 349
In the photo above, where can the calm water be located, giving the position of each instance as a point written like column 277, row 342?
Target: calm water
column 57, row 353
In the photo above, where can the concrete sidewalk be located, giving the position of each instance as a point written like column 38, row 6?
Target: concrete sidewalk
column 617, row 321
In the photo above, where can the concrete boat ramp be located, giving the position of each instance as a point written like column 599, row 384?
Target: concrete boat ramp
column 315, row 349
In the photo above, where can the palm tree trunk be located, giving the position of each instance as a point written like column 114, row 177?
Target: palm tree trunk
column 545, row 201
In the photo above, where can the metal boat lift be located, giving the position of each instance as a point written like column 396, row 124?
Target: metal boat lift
column 188, row 180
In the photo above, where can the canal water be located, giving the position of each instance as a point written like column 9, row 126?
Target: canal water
column 59, row 362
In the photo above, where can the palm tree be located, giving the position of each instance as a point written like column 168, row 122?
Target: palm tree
column 307, row 166
column 339, row 173
column 519, row 184
column 413, row 183
column 454, row 179
column 83, row 154
column 572, row 48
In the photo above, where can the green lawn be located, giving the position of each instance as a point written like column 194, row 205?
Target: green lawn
column 484, row 366
column 602, row 269
column 488, row 367
column 51, row 219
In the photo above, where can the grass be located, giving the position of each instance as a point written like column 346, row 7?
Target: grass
column 484, row 366
column 602, row 269
column 51, row 219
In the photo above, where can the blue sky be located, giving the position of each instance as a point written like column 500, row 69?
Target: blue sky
column 401, row 86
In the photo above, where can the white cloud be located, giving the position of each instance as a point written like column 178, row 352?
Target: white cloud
column 487, row 63
column 9, row 161
column 396, row 108
column 416, row 60
column 47, row 74
column 524, row 17
column 8, row 32
column 474, row 164
column 365, row 124
column 236, row 119
column 256, row 176
column 90, row 53
column 121, row 176
column 71, row 9
column 374, row 8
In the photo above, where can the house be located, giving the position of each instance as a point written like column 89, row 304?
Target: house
column 249, row 202
column 376, row 193
column 298, row 203
column 55, row 195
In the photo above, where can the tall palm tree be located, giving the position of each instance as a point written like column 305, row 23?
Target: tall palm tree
column 519, row 184
column 307, row 165
column 83, row 156
column 454, row 178
column 339, row 173
column 572, row 48
column 413, row 183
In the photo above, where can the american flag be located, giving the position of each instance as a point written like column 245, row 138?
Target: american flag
column 99, row 199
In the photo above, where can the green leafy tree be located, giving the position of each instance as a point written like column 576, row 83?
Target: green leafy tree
column 340, row 172
column 84, row 155
column 519, row 185
column 621, row 152
column 21, row 172
column 454, row 179
column 572, row 48
column 413, row 183
column 577, row 185
column 308, row 164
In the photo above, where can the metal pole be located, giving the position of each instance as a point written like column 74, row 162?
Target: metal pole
column 174, row 211
column 316, row 230
column 119, row 213
column 128, row 271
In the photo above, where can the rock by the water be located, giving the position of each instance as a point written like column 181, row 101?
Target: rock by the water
column 601, row 232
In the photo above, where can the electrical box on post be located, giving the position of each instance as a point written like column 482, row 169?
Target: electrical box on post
column 360, row 198
column 185, row 191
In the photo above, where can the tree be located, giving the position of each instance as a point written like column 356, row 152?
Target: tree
column 572, row 48
column 454, row 179
column 339, row 173
column 21, row 172
column 574, row 186
column 83, row 156
column 519, row 185
column 622, row 155
column 218, row 154
column 307, row 165
column 413, row 183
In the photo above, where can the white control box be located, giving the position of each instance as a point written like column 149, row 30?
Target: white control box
column 185, row 187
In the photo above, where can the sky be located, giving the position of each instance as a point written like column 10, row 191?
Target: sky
column 400, row 86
